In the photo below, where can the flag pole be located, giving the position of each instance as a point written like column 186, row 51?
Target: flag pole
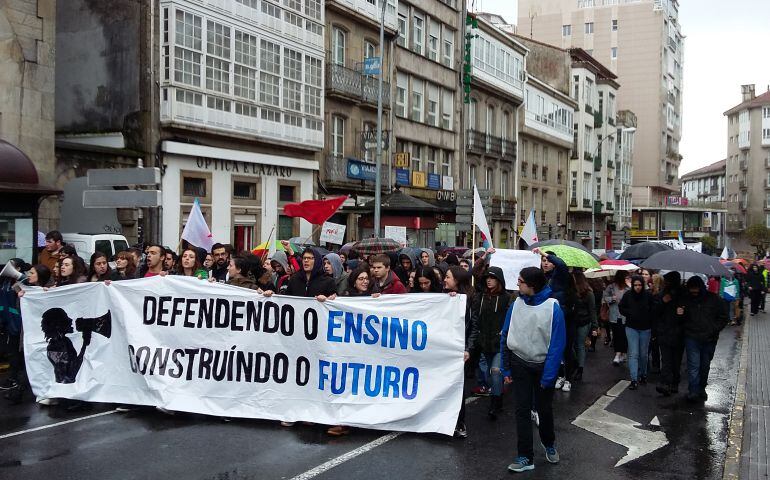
column 267, row 250
column 473, row 238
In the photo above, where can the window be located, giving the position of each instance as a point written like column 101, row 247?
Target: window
column 566, row 30
column 402, row 85
column 614, row 53
column 432, row 114
column 418, row 32
column 188, row 30
column 433, row 35
column 472, row 114
column 449, row 46
column 370, row 50
column 586, row 186
column 186, row 96
column 338, row 47
column 245, row 82
column 573, row 195
column 504, row 185
column 490, row 123
column 193, row 187
column 245, row 49
column 765, row 113
column 217, row 75
column 217, row 103
column 418, row 89
column 217, row 39
column 187, row 66
column 446, row 163
column 403, row 25
column 313, row 9
column 767, row 220
column 433, row 155
column 285, row 224
column 286, row 193
column 271, row 10
column 447, row 106
column 489, row 179
column 614, row 25
column 589, row 27
column 471, row 176
column 270, row 66
column 765, row 133
column 245, row 190
column 338, row 135
column 417, row 157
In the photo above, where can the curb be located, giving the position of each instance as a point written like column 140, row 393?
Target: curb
column 732, row 469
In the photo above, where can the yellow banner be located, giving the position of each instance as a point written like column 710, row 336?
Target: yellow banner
column 401, row 160
column 644, row 233
column 419, row 179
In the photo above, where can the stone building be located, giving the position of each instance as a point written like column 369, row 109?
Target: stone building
column 224, row 96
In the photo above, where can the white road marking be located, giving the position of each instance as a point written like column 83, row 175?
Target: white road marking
column 324, row 467
column 619, row 429
column 655, row 422
column 57, row 424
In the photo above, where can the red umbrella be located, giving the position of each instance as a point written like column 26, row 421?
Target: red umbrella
column 734, row 265
column 618, row 265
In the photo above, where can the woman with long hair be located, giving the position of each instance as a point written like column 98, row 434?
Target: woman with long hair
column 426, row 281
column 612, row 296
column 585, row 316
column 359, row 283
column 190, row 265
column 238, row 273
column 71, row 271
column 458, row 280
column 125, row 267
column 99, row 268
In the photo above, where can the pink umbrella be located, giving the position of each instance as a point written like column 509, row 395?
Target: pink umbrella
column 618, row 265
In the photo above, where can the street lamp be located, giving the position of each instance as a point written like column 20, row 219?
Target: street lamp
column 593, row 183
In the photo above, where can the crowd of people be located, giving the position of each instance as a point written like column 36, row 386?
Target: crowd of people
column 534, row 336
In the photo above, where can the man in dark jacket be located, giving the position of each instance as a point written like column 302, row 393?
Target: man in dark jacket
column 668, row 328
column 311, row 280
column 407, row 263
column 492, row 307
column 385, row 281
column 705, row 316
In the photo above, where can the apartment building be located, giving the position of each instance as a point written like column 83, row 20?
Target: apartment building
column 624, row 171
column 225, row 96
column 546, row 139
column 352, row 90
column 706, row 183
column 642, row 43
column 427, row 120
column 748, row 165
column 492, row 123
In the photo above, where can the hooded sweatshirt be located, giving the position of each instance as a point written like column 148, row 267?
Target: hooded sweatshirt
column 431, row 257
column 300, row 285
column 544, row 337
column 558, row 279
column 705, row 314
column 339, row 274
column 668, row 326
column 492, row 308
column 403, row 274
column 637, row 307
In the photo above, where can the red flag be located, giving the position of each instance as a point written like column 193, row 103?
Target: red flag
column 314, row 211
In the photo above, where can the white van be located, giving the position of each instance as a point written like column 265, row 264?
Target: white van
column 86, row 244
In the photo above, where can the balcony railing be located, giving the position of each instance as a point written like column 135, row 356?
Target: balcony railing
column 355, row 85
column 476, row 141
column 482, row 143
column 509, row 150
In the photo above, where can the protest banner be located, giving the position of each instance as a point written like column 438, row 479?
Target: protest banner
column 332, row 233
column 511, row 262
column 389, row 363
column 396, row 233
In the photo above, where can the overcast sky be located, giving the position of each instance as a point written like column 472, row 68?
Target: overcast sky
column 726, row 46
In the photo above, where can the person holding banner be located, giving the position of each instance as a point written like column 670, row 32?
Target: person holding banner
column 191, row 265
column 457, row 281
column 154, row 262
column 385, row 281
column 531, row 347
column 359, row 283
column 333, row 268
column 311, row 281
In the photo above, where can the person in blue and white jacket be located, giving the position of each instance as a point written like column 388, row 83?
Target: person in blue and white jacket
column 531, row 346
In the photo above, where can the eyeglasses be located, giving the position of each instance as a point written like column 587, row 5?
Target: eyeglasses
column 522, row 282
column 307, row 259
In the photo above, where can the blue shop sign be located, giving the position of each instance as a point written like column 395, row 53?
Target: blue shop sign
column 362, row 170
column 402, row 177
column 434, row 181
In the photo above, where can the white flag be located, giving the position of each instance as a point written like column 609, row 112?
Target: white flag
column 479, row 219
column 196, row 231
column 529, row 232
column 725, row 254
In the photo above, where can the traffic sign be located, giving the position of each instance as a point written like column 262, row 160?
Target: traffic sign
column 121, row 198
column 112, row 177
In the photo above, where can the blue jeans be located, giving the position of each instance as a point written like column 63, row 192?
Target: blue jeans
column 638, row 348
column 489, row 372
column 699, row 356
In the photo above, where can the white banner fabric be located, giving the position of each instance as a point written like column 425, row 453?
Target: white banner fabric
column 512, row 262
column 388, row 363
column 332, row 233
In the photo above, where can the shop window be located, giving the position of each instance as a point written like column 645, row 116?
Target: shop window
column 245, row 190
column 194, row 187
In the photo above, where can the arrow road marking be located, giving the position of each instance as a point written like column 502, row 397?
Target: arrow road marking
column 619, row 429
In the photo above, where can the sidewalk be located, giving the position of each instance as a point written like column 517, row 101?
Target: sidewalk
column 748, row 448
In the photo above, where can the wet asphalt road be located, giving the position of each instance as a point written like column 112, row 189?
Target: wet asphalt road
column 146, row 444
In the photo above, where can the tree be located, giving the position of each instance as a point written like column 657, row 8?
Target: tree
column 759, row 236
column 709, row 245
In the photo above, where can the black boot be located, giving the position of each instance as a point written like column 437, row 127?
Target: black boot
column 495, row 406
column 578, row 375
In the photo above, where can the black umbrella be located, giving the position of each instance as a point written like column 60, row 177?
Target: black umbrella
column 644, row 250
column 569, row 243
column 686, row 261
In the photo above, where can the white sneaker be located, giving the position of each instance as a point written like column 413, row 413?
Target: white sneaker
column 616, row 360
column 47, row 401
column 287, row 424
column 535, row 417
column 567, row 387
column 560, row 382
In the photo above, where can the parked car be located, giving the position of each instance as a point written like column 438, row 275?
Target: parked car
column 86, row 244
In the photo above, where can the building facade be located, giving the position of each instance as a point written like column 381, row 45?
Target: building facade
column 706, row 183
column 492, row 125
column 748, row 166
column 624, row 170
column 227, row 103
column 642, row 43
